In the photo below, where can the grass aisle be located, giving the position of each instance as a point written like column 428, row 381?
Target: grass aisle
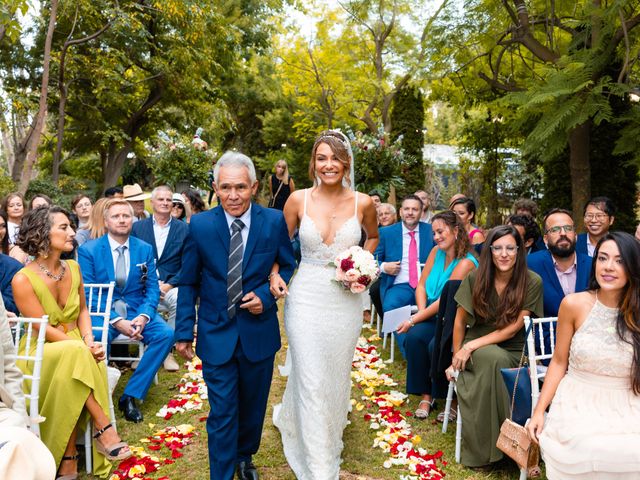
column 360, row 459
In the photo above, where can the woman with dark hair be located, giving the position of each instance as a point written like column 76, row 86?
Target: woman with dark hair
column 450, row 259
column 179, row 210
column 73, row 383
column 14, row 206
column 193, row 203
column 81, row 208
column 4, row 236
column 593, row 428
column 466, row 210
column 489, row 335
column 40, row 200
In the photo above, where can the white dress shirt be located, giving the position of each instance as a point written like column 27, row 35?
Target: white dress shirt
column 246, row 219
column 160, row 234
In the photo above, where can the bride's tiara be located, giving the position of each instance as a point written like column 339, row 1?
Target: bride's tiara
column 342, row 139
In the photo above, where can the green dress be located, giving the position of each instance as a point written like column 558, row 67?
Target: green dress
column 69, row 373
column 482, row 395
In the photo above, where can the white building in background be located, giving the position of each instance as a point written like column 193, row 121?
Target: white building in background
column 441, row 155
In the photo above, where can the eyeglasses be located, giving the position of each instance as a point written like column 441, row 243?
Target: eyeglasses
column 595, row 216
column 566, row 228
column 498, row 249
column 83, row 205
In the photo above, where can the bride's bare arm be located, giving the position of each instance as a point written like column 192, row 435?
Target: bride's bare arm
column 277, row 286
column 369, row 222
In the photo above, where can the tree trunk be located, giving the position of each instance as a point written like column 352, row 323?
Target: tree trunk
column 579, row 144
column 33, row 139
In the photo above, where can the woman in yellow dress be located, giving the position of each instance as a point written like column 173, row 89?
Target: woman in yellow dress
column 73, row 384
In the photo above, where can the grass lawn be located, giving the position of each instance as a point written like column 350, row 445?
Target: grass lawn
column 361, row 461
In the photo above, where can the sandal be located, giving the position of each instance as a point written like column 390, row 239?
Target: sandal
column 115, row 452
column 423, row 413
column 453, row 416
column 69, row 476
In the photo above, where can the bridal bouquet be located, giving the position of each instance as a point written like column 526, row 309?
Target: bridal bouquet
column 356, row 269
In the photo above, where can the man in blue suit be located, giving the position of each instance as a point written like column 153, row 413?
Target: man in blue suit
column 400, row 275
column 116, row 256
column 8, row 268
column 562, row 269
column 227, row 263
column 167, row 237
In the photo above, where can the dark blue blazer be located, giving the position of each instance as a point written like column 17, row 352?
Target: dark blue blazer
column 8, row 268
column 390, row 248
column 141, row 293
column 204, row 274
column 170, row 262
column 581, row 244
column 542, row 263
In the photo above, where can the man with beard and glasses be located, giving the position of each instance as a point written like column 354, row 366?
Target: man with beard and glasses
column 562, row 269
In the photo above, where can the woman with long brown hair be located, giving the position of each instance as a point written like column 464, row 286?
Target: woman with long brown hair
column 94, row 227
column 489, row 335
column 593, row 428
column 450, row 259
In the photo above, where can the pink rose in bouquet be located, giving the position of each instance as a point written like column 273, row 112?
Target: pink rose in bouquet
column 356, row 269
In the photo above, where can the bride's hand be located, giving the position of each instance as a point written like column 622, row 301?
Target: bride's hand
column 277, row 286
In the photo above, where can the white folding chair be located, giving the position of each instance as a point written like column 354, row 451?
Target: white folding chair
column 23, row 327
column 537, row 371
column 99, row 297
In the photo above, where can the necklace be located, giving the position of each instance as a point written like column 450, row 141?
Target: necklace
column 57, row 278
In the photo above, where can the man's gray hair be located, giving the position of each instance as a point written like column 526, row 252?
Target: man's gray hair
column 388, row 206
column 234, row 159
column 161, row 188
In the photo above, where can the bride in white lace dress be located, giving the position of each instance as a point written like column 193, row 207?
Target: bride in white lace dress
column 322, row 320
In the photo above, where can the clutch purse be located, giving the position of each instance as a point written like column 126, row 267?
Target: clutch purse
column 513, row 439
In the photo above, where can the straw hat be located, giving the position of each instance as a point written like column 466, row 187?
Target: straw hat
column 134, row 193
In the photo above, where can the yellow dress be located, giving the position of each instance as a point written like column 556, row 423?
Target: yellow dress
column 69, row 373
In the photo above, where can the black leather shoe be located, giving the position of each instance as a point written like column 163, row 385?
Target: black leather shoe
column 247, row 471
column 127, row 405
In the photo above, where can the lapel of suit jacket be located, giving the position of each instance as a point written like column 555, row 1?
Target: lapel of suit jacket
column 152, row 234
column 425, row 241
column 222, row 227
column 552, row 275
column 134, row 261
column 173, row 227
column 255, row 230
column 107, row 257
column 396, row 248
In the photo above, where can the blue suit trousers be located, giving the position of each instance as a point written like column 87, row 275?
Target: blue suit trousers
column 238, row 394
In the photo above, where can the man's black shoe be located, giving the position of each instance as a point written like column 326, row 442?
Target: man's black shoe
column 127, row 405
column 247, row 471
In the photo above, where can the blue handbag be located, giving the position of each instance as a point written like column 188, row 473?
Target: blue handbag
column 518, row 383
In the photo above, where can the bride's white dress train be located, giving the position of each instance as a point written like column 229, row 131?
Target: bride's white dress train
column 323, row 323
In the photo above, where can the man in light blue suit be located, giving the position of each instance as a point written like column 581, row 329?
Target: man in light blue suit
column 562, row 269
column 167, row 236
column 400, row 275
column 227, row 262
column 116, row 256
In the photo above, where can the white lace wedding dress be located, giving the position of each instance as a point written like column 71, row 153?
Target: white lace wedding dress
column 323, row 323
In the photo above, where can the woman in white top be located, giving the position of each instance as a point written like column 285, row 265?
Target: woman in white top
column 15, row 207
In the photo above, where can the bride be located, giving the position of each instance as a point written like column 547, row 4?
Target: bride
column 322, row 320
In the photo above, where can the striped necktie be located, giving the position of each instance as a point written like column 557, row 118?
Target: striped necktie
column 234, row 275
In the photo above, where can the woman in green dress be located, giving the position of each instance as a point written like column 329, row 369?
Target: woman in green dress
column 73, row 384
column 489, row 335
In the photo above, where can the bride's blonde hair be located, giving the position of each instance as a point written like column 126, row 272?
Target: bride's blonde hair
column 339, row 146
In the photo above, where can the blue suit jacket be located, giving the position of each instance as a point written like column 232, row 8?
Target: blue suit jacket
column 581, row 244
column 390, row 248
column 141, row 295
column 8, row 268
column 204, row 274
column 170, row 262
column 542, row 264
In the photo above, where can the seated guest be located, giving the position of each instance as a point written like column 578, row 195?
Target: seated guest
column 4, row 236
column 563, row 271
column 427, row 214
column 136, row 197
column 73, row 382
column 129, row 262
column 114, row 192
column 450, row 259
column 489, row 335
column 528, row 230
column 40, row 200
column 193, row 202
column 525, row 206
column 599, row 214
column 593, row 428
column 387, row 215
column 22, row 454
column 14, row 206
column 454, row 197
column 178, row 208
column 81, row 207
column 466, row 210
column 402, row 248
column 8, row 268
column 166, row 236
column 376, row 197
column 94, row 228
